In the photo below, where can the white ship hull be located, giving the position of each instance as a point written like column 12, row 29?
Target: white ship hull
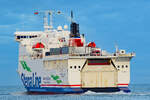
column 67, row 74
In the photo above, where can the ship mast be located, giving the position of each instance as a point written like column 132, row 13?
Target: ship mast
column 71, row 16
column 51, row 21
column 46, row 21
column 48, row 15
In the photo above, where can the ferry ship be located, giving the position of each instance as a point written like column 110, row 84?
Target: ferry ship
column 59, row 61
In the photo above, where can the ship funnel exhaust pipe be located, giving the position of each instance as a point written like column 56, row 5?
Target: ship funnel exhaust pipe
column 74, row 28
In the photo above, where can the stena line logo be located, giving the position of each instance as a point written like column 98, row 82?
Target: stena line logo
column 31, row 81
column 25, row 66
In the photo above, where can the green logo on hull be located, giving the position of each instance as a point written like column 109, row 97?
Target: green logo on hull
column 25, row 66
column 56, row 78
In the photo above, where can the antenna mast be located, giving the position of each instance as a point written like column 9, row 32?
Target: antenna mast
column 46, row 21
column 71, row 16
column 50, row 18
column 48, row 15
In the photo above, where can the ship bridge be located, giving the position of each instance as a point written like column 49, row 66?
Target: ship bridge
column 19, row 36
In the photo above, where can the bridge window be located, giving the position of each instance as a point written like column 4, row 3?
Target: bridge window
column 18, row 37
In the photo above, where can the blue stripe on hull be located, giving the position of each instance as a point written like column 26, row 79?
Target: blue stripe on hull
column 56, row 90
column 68, row 90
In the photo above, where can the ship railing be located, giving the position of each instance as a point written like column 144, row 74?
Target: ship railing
column 129, row 54
column 80, row 51
column 132, row 54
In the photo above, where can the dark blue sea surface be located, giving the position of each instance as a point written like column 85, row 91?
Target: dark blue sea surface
column 138, row 92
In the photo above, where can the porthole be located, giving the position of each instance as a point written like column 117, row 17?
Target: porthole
column 75, row 67
column 118, row 66
column 122, row 66
column 70, row 66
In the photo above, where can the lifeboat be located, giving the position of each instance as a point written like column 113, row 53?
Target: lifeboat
column 38, row 45
column 92, row 45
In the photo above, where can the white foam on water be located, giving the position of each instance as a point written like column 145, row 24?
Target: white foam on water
column 89, row 92
column 107, row 93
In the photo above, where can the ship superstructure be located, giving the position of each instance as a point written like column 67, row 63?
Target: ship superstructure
column 60, row 61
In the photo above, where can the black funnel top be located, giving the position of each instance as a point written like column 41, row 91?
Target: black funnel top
column 74, row 29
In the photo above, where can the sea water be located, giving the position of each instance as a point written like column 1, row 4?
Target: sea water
column 138, row 92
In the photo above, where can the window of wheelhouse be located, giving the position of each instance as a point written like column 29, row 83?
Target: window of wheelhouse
column 18, row 37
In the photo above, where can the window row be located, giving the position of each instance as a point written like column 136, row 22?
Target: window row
column 123, row 66
column 75, row 67
column 18, row 37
